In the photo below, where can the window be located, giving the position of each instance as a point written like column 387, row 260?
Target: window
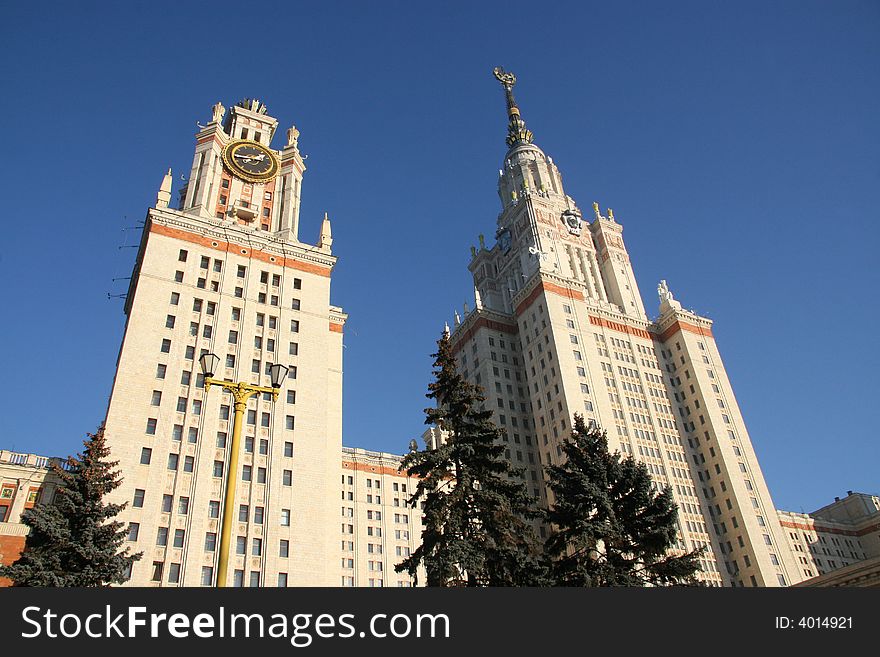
column 178, row 276
column 221, row 440
column 297, row 283
column 151, row 426
column 138, row 501
column 236, row 314
column 207, row 575
column 167, row 502
column 287, row 478
column 218, row 468
column 261, row 475
column 294, row 325
column 179, row 535
column 169, row 321
column 188, row 462
column 172, row 461
column 289, row 422
column 285, row 517
column 241, row 271
column 288, row 449
column 282, row 580
column 230, row 360
column 157, row 571
column 241, row 545
column 233, row 337
column 284, row 548
column 238, row 578
column 162, row 536
column 183, row 506
column 214, row 509
column 257, row 547
column 295, row 304
column 294, row 348
column 255, row 579
column 246, row 473
column 133, row 529
column 146, row 455
column 175, row 298
column 264, row 422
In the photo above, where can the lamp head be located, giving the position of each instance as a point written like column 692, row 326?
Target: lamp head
column 277, row 373
column 208, row 363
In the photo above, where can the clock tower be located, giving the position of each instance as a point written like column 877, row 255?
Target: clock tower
column 227, row 274
column 237, row 176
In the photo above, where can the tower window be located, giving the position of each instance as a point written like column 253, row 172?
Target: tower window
column 244, row 133
column 182, row 255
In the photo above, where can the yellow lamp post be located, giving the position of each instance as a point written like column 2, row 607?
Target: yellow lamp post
column 241, row 392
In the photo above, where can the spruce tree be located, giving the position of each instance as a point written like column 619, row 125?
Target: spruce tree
column 75, row 541
column 610, row 528
column 475, row 506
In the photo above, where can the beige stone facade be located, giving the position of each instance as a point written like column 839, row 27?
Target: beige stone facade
column 841, row 534
column 226, row 273
column 378, row 529
column 559, row 327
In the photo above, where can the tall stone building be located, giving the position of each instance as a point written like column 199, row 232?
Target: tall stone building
column 226, row 273
column 559, row 327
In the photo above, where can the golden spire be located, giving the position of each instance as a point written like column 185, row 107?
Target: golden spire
column 517, row 133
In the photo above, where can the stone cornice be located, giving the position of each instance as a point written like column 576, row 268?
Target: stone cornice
column 234, row 234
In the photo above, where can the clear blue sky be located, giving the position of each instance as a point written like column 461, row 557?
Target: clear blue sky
column 737, row 143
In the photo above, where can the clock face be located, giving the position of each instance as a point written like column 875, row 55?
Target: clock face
column 250, row 161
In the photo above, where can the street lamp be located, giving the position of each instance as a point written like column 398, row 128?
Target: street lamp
column 241, row 392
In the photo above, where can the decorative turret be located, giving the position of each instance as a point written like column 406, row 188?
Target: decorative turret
column 325, row 240
column 163, row 197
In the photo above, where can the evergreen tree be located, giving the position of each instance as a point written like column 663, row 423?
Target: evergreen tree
column 610, row 527
column 74, row 541
column 475, row 507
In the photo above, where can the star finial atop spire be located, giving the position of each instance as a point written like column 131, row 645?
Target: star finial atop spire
column 517, row 133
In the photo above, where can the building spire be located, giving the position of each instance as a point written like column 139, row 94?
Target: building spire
column 517, row 133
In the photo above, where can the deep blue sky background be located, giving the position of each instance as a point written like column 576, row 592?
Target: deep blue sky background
column 737, row 143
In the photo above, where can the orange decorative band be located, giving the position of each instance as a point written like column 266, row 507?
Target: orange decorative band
column 374, row 469
column 622, row 328
column 683, row 326
column 336, row 327
column 829, row 530
column 546, row 286
column 238, row 249
column 482, row 322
